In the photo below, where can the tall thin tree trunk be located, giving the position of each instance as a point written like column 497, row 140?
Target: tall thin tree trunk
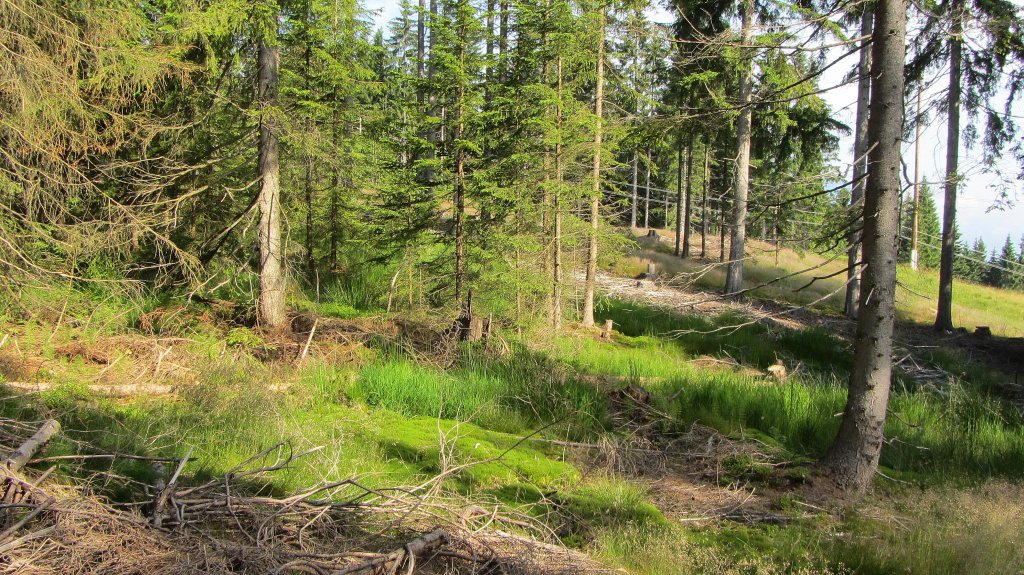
column 502, row 39
column 944, row 316
column 647, row 195
column 270, row 307
column 460, row 187
column 332, row 217
column 860, row 162
column 632, row 206
column 679, row 198
column 421, row 47
column 556, row 280
column 723, row 205
column 704, row 200
column 334, row 222
column 687, row 211
column 489, row 43
column 734, row 275
column 595, row 200
column 308, row 179
column 852, row 460
column 917, row 184
column 433, row 133
column 308, row 184
column 668, row 210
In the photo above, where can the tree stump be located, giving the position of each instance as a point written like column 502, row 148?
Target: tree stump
column 476, row 329
column 606, row 331
column 471, row 327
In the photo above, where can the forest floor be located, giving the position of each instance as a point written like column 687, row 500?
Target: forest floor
column 677, row 445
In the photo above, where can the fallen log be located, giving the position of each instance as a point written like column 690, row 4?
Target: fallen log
column 24, row 453
column 98, row 389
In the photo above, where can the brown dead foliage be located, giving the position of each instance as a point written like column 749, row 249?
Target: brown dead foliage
column 15, row 367
column 98, row 354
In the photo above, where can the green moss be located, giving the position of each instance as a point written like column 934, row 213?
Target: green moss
column 487, row 458
column 612, row 503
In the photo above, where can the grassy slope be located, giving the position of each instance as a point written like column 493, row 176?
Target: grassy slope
column 973, row 304
column 389, row 420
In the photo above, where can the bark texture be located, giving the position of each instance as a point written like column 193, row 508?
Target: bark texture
column 270, row 307
column 704, row 200
column 688, row 208
column 944, row 315
column 556, row 280
column 595, row 200
column 852, row 460
column 741, row 178
column 860, row 163
column 679, row 199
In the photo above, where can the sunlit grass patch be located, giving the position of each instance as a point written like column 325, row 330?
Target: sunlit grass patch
column 944, row 531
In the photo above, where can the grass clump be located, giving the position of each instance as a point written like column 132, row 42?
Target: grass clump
column 799, row 415
column 514, row 394
column 613, row 503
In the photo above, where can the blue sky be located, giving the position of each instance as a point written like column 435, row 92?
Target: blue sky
column 978, row 191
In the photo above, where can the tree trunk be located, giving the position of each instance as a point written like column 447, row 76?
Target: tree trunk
column 427, row 174
column 741, row 178
column 556, row 280
column 917, row 187
column 632, row 206
column 489, row 44
column 308, row 179
column 502, row 38
column 421, row 47
column 595, row 199
column 944, row 317
column 460, row 185
column 679, row 198
column 860, row 161
column 310, row 260
column 723, row 203
column 852, row 460
column 687, row 211
column 668, row 204
column 270, row 306
column 647, row 195
column 704, row 200
column 460, row 232
column 334, row 223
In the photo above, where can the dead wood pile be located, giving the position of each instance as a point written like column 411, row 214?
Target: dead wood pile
column 239, row 523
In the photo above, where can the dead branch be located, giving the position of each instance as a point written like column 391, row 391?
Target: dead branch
column 404, row 556
column 24, row 453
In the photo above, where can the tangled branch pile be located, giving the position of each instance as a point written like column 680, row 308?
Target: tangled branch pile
column 237, row 523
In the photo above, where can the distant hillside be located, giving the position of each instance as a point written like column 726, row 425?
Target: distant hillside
column 973, row 305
